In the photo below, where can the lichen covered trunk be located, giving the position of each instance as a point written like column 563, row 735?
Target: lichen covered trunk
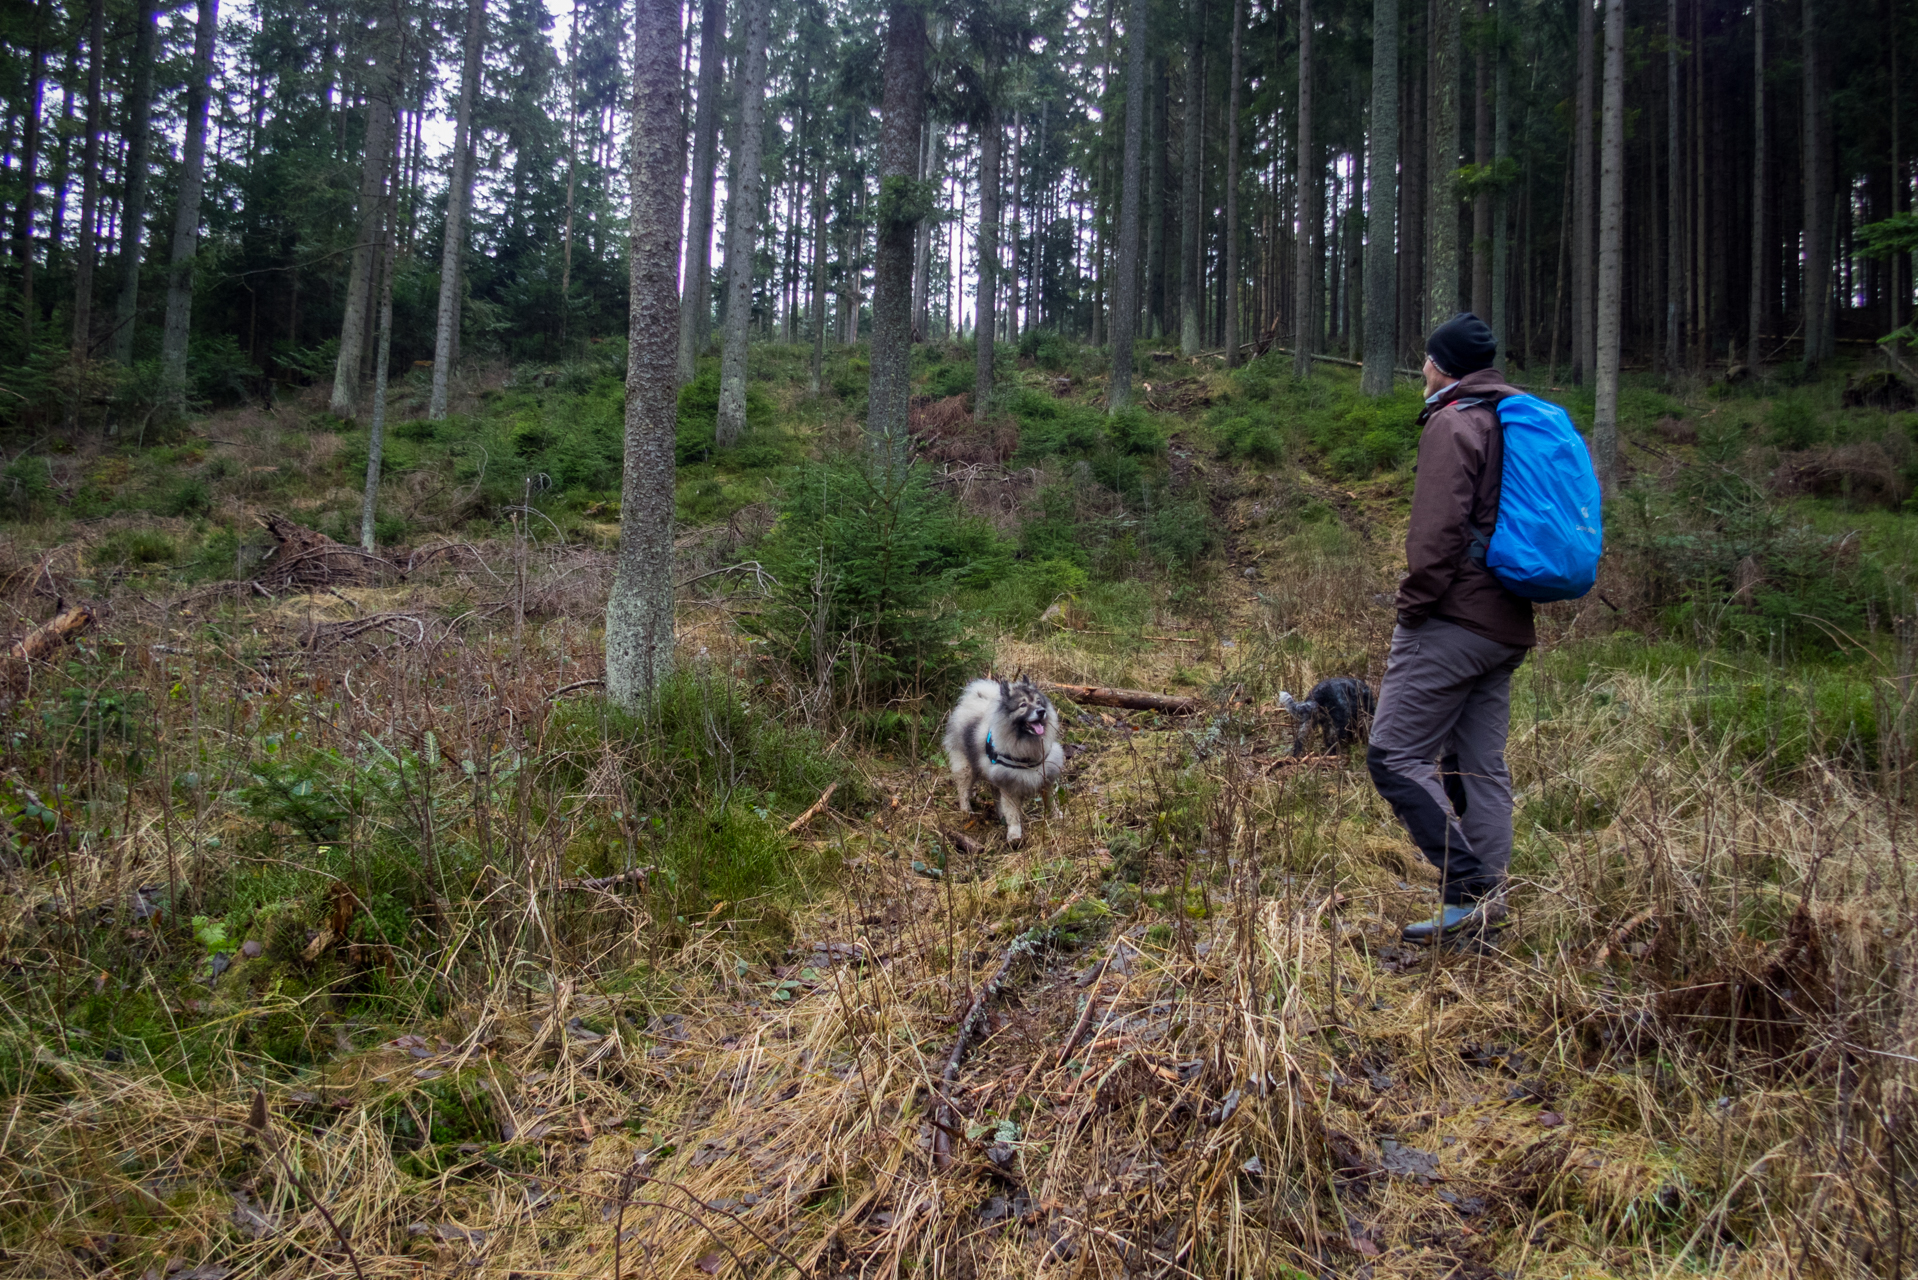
column 639, row 613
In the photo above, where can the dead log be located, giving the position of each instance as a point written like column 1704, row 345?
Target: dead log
column 1131, row 699
column 38, row 644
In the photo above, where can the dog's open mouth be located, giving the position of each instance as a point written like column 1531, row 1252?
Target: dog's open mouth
column 1036, row 726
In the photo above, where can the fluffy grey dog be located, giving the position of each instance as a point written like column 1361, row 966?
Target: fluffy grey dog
column 1341, row 708
column 1007, row 734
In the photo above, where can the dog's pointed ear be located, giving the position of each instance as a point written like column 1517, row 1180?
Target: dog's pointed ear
column 1005, row 690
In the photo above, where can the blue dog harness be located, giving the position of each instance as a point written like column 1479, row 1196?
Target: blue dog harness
column 1013, row 764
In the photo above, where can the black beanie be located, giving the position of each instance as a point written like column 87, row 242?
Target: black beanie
column 1464, row 344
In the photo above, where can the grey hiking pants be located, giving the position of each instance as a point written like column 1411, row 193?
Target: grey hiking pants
column 1447, row 698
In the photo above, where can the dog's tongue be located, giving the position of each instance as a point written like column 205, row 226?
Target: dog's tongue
column 1037, row 726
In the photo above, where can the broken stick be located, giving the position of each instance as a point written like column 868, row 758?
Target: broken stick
column 817, row 805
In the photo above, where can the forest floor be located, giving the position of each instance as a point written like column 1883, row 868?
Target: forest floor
column 348, row 933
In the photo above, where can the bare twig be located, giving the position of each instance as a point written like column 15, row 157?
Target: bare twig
column 259, row 1123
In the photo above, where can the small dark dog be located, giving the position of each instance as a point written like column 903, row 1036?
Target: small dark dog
column 1340, row 708
column 1007, row 735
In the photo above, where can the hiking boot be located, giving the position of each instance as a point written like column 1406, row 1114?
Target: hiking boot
column 1449, row 923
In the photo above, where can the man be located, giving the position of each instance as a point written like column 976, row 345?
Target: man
column 1447, row 694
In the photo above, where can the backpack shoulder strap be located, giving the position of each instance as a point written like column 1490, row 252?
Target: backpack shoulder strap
column 1480, row 540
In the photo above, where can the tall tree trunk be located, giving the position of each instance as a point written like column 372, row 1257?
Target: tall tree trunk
column 1155, row 220
column 903, row 204
column 639, row 612
column 922, row 246
column 134, row 204
column 1413, row 154
column 987, row 320
column 1677, row 303
column 1442, row 259
column 1125, row 285
column 742, row 226
column 1817, row 291
column 1611, row 241
column 1352, row 322
column 1012, row 257
column 1305, row 279
column 359, row 284
column 1191, row 198
column 88, row 249
column 186, row 222
column 30, row 170
column 1699, row 287
column 695, row 299
column 1381, row 250
column 1583, row 205
column 1501, row 244
column 1755, row 317
column 459, row 193
column 818, row 363
column 64, row 132
column 1482, row 157
column 383, row 351
column 1895, row 267
column 1232, row 267
column 572, row 170
column 1558, row 292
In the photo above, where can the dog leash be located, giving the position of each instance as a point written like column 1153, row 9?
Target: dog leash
column 1010, row 764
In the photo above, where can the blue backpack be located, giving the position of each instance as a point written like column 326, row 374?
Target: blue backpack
column 1550, row 533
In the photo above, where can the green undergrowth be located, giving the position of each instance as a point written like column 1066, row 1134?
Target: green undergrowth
column 342, row 866
column 1762, row 712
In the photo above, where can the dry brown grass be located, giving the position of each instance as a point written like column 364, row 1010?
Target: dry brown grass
column 1691, row 1052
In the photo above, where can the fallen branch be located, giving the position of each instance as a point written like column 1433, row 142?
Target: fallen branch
column 1621, row 933
column 1325, row 359
column 817, row 805
column 1078, row 1028
column 1027, row 943
column 636, row 876
column 760, row 576
column 1131, row 699
column 597, row 682
column 1084, row 1023
column 421, row 556
column 40, row 642
column 1089, row 631
column 963, row 843
column 1304, row 762
column 328, row 634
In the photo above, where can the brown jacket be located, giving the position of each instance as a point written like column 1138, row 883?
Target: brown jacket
column 1461, row 454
